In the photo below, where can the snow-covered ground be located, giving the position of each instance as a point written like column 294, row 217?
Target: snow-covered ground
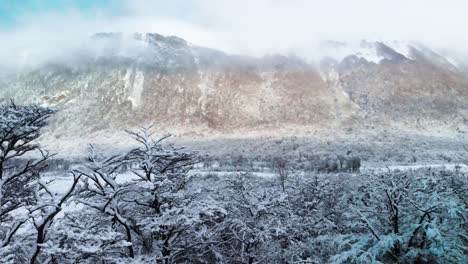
column 62, row 181
column 446, row 166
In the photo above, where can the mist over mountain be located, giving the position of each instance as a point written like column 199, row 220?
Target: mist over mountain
column 119, row 81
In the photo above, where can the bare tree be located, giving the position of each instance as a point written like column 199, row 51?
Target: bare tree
column 281, row 167
column 155, row 191
column 253, row 214
column 44, row 213
column 162, row 169
column 101, row 191
column 408, row 216
column 20, row 126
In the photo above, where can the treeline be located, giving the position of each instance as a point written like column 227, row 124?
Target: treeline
column 330, row 163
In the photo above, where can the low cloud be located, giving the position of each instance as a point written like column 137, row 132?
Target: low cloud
column 243, row 26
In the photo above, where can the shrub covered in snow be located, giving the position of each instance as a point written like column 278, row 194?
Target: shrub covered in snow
column 144, row 206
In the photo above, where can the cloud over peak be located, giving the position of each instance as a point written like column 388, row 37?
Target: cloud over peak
column 242, row 26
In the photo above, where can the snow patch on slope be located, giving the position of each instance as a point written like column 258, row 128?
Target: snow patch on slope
column 137, row 89
column 401, row 47
column 133, row 82
column 367, row 50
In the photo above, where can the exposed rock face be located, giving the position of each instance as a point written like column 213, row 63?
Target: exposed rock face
column 169, row 82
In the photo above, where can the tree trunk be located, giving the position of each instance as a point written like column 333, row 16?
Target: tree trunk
column 129, row 240
column 39, row 241
column 147, row 240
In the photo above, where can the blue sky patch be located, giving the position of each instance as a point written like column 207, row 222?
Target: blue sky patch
column 12, row 10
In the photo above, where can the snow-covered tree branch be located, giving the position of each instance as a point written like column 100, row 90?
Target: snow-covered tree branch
column 20, row 126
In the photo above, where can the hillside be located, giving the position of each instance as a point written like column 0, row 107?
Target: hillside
column 118, row 82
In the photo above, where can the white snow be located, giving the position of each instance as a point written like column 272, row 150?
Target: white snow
column 61, row 183
column 364, row 49
column 440, row 166
column 137, row 89
column 401, row 47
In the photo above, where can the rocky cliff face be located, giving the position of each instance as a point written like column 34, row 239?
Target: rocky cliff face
column 120, row 83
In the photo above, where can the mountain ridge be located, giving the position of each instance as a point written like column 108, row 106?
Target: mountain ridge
column 117, row 84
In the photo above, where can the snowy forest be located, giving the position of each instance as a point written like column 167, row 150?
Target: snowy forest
column 150, row 205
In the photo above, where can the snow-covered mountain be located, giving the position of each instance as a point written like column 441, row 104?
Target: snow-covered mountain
column 392, row 51
column 116, row 82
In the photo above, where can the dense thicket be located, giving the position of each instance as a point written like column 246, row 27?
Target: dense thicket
column 148, row 205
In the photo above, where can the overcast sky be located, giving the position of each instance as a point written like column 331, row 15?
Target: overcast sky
column 253, row 27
